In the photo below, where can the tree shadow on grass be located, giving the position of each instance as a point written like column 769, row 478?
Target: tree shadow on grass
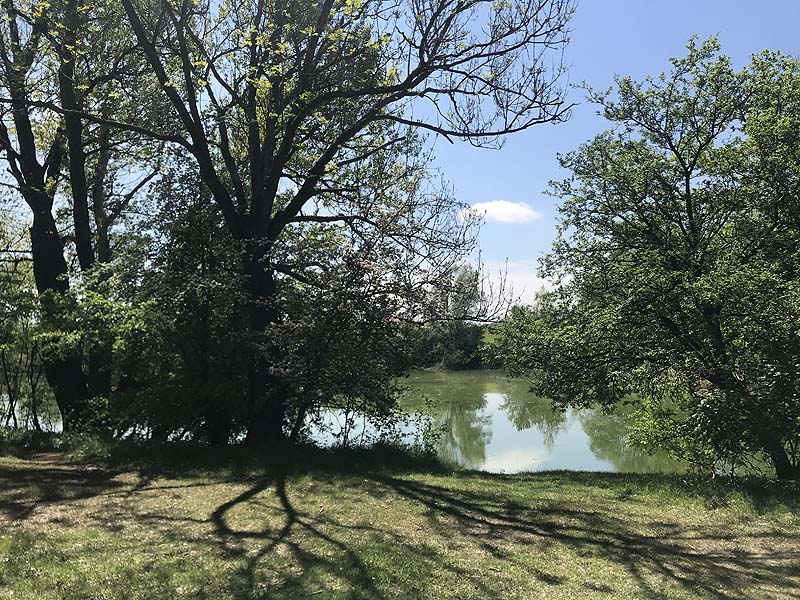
column 693, row 560
column 705, row 561
column 324, row 552
column 23, row 490
column 276, row 544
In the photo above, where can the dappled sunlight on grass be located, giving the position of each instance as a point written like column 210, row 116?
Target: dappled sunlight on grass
column 71, row 531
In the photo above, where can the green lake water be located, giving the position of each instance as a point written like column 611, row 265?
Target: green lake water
column 488, row 422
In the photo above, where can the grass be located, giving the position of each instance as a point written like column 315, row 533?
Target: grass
column 184, row 522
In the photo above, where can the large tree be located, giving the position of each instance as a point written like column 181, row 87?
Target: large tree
column 59, row 60
column 677, row 258
column 283, row 104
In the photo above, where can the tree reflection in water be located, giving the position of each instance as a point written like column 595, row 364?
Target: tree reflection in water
column 455, row 401
column 467, row 407
column 526, row 411
column 607, row 438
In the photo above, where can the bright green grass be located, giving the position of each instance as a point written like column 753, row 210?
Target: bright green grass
column 303, row 528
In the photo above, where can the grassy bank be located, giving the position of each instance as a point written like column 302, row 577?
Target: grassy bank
column 180, row 524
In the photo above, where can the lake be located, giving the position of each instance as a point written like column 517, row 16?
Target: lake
column 488, row 422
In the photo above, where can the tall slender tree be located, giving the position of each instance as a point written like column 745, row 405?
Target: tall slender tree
column 55, row 64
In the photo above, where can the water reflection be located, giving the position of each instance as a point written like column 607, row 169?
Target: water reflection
column 491, row 423
column 488, row 422
column 458, row 408
column 607, row 434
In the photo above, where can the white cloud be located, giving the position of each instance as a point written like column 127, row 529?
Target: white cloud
column 517, row 460
column 504, row 211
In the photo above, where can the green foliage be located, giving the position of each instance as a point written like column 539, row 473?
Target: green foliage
column 180, row 346
column 341, row 347
column 677, row 260
column 451, row 340
column 25, row 400
column 452, row 345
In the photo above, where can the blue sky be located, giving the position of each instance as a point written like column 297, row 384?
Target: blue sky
column 628, row 37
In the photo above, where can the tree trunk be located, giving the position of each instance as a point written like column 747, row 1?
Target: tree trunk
column 34, row 373
column 265, row 397
column 784, row 469
column 299, row 422
column 99, row 379
column 74, row 130
column 218, row 429
column 63, row 369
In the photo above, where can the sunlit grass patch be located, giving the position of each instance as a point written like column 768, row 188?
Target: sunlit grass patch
column 377, row 530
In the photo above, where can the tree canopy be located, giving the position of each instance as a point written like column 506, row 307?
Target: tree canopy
column 281, row 147
column 677, row 262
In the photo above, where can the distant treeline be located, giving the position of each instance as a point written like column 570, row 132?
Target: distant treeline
column 453, row 346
